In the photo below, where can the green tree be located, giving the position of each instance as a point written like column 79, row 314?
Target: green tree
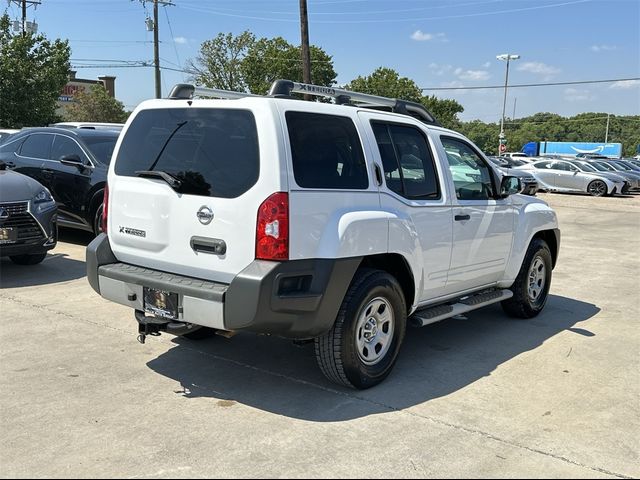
column 96, row 105
column 33, row 71
column 219, row 61
column 270, row 59
column 386, row 82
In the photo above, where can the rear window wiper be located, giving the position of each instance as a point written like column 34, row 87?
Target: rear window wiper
column 167, row 177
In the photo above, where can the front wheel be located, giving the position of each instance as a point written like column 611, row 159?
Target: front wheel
column 361, row 348
column 597, row 188
column 531, row 288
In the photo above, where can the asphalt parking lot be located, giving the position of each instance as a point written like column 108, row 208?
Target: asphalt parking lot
column 556, row 396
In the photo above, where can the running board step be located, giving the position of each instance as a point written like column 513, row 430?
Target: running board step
column 431, row 315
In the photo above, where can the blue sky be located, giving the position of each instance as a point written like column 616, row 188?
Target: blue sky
column 437, row 43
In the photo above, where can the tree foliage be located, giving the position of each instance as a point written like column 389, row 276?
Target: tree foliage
column 386, row 82
column 33, row 71
column 550, row 127
column 95, row 105
column 244, row 63
column 271, row 59
column 219, row 61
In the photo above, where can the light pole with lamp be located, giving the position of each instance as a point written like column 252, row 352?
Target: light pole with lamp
column 508, row 57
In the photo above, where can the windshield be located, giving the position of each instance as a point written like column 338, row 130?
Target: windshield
column 101, row 147
column 605, row 167
column 586, row 167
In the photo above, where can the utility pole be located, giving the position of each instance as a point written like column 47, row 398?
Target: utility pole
column 156, row 50
column 306, row 54
column 24, row 4
column 606, row 135
column 156, row 42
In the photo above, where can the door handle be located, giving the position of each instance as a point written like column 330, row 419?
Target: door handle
column 460, row 218
column 378, row 174
column 48, row 171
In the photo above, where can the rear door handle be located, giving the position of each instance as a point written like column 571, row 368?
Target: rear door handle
column 48, row 171
column 460, row 218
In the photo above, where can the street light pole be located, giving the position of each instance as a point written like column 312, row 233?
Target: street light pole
column 508, row 57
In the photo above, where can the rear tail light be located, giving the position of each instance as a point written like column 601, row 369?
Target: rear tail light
column 105, row 209
column 272, row 228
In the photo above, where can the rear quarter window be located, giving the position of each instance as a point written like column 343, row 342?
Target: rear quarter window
column 326, row 151
column 213, row 152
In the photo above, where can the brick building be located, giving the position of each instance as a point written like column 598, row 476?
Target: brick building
column 75, row 85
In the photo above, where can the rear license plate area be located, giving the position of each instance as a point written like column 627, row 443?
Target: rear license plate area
column 160, row 303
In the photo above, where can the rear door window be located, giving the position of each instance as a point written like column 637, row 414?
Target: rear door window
column 37, row 145
column 213, row 152
column 409, row 169
column 326, row 151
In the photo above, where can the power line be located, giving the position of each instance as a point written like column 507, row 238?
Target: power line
column 582, row 82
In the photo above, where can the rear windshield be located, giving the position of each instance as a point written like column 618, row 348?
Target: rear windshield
column 101, row 147
column 213, row 152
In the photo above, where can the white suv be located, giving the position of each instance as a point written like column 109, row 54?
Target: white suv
column 336, row 222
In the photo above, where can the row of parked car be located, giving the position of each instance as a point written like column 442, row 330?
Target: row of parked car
column 596, row 175
column 57, row 175
column 51, row 176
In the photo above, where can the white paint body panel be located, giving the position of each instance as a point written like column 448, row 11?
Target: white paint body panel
column 169, row 219
column 445, row 256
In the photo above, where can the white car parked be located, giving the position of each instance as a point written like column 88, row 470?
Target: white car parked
column 330, row 222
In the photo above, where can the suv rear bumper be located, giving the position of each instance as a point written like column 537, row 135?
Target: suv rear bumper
column 295, row 299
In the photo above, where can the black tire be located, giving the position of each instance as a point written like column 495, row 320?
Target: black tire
column 525, row 303
column 597, row 188
column 338, row 353
column 201, row 333
column 97, row 220
column 28, row 259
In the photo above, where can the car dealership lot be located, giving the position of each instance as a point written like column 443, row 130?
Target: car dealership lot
column 556, row 396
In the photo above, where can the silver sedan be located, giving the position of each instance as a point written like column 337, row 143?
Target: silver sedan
column 563, row 176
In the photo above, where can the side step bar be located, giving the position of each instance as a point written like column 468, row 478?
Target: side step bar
column 430, row 315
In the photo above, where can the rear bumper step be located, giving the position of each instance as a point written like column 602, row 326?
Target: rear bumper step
column 466, row 304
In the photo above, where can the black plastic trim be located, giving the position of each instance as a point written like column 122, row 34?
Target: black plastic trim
column 98, row 253
column 252, row 301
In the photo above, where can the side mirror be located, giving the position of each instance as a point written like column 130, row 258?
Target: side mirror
column 72, row 160
column 510, row 186
column 3, row 166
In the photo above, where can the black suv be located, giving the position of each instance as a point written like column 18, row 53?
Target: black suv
column 72, row 164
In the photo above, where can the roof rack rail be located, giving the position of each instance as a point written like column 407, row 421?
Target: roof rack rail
column 284, row 88
column 186, row 91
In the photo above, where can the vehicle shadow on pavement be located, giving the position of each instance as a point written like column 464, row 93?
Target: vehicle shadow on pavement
column 56, row 268
column 274, row 375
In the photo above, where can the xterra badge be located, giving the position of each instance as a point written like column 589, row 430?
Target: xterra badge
column 133, row 231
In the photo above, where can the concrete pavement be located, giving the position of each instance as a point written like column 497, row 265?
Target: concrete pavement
column 556, row 396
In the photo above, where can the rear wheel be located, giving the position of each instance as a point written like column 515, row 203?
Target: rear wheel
column 531, row 288
column 597, row 188
column 28, row 259
column 361, row 348
column 97, row 221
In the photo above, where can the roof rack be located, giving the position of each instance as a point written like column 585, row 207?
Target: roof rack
column 284, row 88
column 186, row 91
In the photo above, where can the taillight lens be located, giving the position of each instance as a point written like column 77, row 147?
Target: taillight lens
column 272, row 228
column 105, row 208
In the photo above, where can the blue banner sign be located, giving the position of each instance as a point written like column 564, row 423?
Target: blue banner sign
column 574, row 148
